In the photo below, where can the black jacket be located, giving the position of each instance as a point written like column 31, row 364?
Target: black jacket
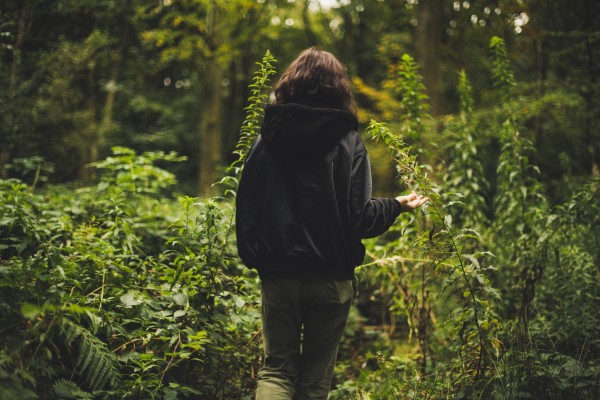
column 304, row 199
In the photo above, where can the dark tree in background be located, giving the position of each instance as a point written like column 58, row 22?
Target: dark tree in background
column 560, row 52
column 429, row 41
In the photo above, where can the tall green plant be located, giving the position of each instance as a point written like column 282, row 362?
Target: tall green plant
column 442, row 258
column 529, row 240
column 202, row 262
column 502, row 73
column 464, row 171
column 414, row 103
column 259, row 96
column 414, row 100
column 477, row 317
column 519, row 204
column 543, row 343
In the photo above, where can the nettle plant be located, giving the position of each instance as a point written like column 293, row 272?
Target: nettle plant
column 536, row 245
column 259, row 96
column 445, row 271
column 464, row 176
column 439, row 262
column 136, row 173
column 118, row 291
column 520, row 208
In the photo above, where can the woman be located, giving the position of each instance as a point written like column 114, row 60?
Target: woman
column 303, row 205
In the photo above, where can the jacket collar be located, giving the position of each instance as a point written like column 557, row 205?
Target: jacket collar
column 295, row 130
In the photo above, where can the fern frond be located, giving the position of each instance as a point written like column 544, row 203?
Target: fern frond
column 97, row 364
column 67, row 389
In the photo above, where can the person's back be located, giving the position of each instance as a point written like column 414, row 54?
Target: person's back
column 304, row 203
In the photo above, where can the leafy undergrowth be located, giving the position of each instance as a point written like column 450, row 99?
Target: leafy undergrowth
column 122, row 290
column 116, row 291
column 484, row 294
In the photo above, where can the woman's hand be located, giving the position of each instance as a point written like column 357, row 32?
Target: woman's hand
column 411, row 201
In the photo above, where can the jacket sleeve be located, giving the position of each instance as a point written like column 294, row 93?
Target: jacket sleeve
column 370, row 216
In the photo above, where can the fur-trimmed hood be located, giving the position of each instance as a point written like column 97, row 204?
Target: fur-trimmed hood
column 294, row 130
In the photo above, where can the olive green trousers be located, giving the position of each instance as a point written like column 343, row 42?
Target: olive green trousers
column 303, row 322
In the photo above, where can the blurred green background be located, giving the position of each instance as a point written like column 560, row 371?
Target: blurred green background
column 81, row 76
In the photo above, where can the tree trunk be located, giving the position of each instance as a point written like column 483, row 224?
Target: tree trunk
column 106, row 121
column 88, row 147
column 23, row 27
column 238, row 93
column 591, row 139
column 429, row 39
column 97, row 142
column 541, row 66
column 210, row 126
column 311, row 37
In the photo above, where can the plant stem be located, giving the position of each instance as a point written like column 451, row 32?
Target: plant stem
column 469, row 286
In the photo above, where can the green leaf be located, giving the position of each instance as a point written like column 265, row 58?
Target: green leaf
column 180, row 299
column 448, row 220
column 30, row 311
column 494, row 292
column 473, row 260
column 129, row 300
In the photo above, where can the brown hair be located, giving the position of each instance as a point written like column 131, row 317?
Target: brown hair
column 316, row 78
